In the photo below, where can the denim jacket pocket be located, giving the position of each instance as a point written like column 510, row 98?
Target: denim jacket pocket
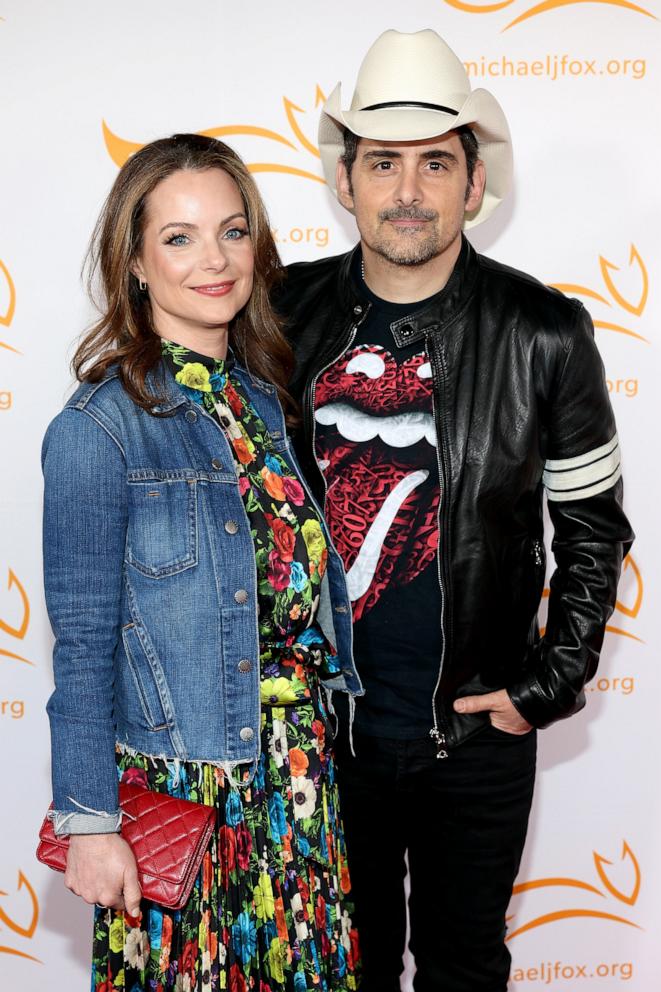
column 162, row 526
column 140, row 700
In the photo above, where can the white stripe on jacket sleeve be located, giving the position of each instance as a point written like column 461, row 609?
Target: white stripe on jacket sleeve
column 584, row 475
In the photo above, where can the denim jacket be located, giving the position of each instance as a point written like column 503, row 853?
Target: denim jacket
column 150, row 581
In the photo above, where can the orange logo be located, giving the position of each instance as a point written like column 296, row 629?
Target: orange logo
column 18, row 627
column 627, row 307
column 632, row 590
column 539, row 8
column 626, row 894
column 10, row 291
column 120, row 150
column 26, row 930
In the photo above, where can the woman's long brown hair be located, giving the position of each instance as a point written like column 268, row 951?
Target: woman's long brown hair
column 124, row 335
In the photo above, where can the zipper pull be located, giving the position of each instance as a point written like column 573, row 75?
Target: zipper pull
column 439, row 740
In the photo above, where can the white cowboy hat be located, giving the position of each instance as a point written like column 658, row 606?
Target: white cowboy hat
column 413, row 86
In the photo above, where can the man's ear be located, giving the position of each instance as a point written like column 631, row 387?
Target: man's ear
column 476, row 190
column 343, row 183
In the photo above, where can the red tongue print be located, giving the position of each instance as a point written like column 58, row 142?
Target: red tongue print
column 376, row 446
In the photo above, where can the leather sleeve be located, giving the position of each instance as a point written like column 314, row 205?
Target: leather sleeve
column 591, row 533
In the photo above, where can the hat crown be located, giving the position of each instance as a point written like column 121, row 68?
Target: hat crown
column 411, row 68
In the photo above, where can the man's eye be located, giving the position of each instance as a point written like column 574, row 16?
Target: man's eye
column 384, row 166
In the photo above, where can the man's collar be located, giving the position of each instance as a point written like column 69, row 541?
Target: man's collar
column 440, row 310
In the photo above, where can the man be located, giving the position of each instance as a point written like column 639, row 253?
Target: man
column 441, row 393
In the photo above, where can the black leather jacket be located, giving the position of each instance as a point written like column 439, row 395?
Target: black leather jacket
column 519, row 394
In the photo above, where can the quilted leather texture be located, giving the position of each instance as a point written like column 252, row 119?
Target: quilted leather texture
column 168, row 837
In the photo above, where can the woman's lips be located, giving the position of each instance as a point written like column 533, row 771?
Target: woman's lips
column 214, row 289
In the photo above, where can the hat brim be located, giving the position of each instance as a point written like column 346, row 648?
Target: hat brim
column 481, row 111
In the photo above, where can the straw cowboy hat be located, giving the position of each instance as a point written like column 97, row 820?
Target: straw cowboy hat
column 413, row 86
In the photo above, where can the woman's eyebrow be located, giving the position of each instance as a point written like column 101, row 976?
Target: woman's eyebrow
column 193, row 227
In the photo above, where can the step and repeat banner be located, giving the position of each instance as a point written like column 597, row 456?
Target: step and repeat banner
column 83, row 85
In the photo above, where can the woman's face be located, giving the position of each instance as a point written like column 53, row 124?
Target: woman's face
column 196, row 258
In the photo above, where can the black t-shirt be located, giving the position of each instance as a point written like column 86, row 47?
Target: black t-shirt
column 375, row 441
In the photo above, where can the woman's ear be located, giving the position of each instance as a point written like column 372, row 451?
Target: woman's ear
column 136, row 269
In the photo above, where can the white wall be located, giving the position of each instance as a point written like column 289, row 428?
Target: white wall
column 587, row 145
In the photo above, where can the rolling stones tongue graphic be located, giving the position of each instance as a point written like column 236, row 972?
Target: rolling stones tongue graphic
column 376, row 445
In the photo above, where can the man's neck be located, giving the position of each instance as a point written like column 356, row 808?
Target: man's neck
column 408, row 283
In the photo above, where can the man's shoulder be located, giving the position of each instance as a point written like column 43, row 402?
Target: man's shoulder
column 322, row 268
column 527, row 288
column 526, row 285
column 307, row 281
column 539, row 308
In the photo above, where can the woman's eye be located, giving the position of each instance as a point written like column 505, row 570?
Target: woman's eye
column 177, row 239
column 236, row 233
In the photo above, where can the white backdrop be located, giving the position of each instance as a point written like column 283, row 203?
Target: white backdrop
column 580, row 84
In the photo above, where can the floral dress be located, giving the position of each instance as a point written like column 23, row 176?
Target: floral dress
column 269, row 910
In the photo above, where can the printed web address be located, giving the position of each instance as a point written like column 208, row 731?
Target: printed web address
column 554, row 67
column 549, row 972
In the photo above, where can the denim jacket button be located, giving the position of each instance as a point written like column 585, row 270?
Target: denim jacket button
column 244, row 666
column 246, row 733
column 216, row 463
column 191, row 416
column 231, row 526
column 241, row 596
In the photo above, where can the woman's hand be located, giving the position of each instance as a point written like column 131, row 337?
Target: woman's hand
column 101, row 869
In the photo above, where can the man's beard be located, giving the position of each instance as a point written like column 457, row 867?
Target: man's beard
column 407, row 251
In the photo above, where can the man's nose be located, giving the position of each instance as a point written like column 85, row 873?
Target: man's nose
column 408, row 190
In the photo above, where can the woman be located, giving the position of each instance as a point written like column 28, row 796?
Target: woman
column 195, row 598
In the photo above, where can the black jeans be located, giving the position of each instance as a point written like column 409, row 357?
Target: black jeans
column 463, row 822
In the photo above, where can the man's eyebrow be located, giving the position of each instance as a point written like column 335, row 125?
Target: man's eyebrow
column 193, row 227
column 374, row 153
column 382, row 153
column 439, row 153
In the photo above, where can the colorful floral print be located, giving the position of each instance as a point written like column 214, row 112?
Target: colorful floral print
column 269, row 910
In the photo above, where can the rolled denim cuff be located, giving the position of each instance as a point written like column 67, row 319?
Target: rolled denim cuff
column 86, row 823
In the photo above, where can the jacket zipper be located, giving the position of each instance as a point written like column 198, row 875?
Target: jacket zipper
column 438, row 734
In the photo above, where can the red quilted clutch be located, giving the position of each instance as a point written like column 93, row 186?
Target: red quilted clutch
column 168, row 837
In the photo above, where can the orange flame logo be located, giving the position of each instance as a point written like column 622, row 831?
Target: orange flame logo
column 20, row 629
column 539, row 8
column 120, row 150
column 631, row 576
column 26, row 930
column 7, row 317
column 628, row 897
column 633, row 307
